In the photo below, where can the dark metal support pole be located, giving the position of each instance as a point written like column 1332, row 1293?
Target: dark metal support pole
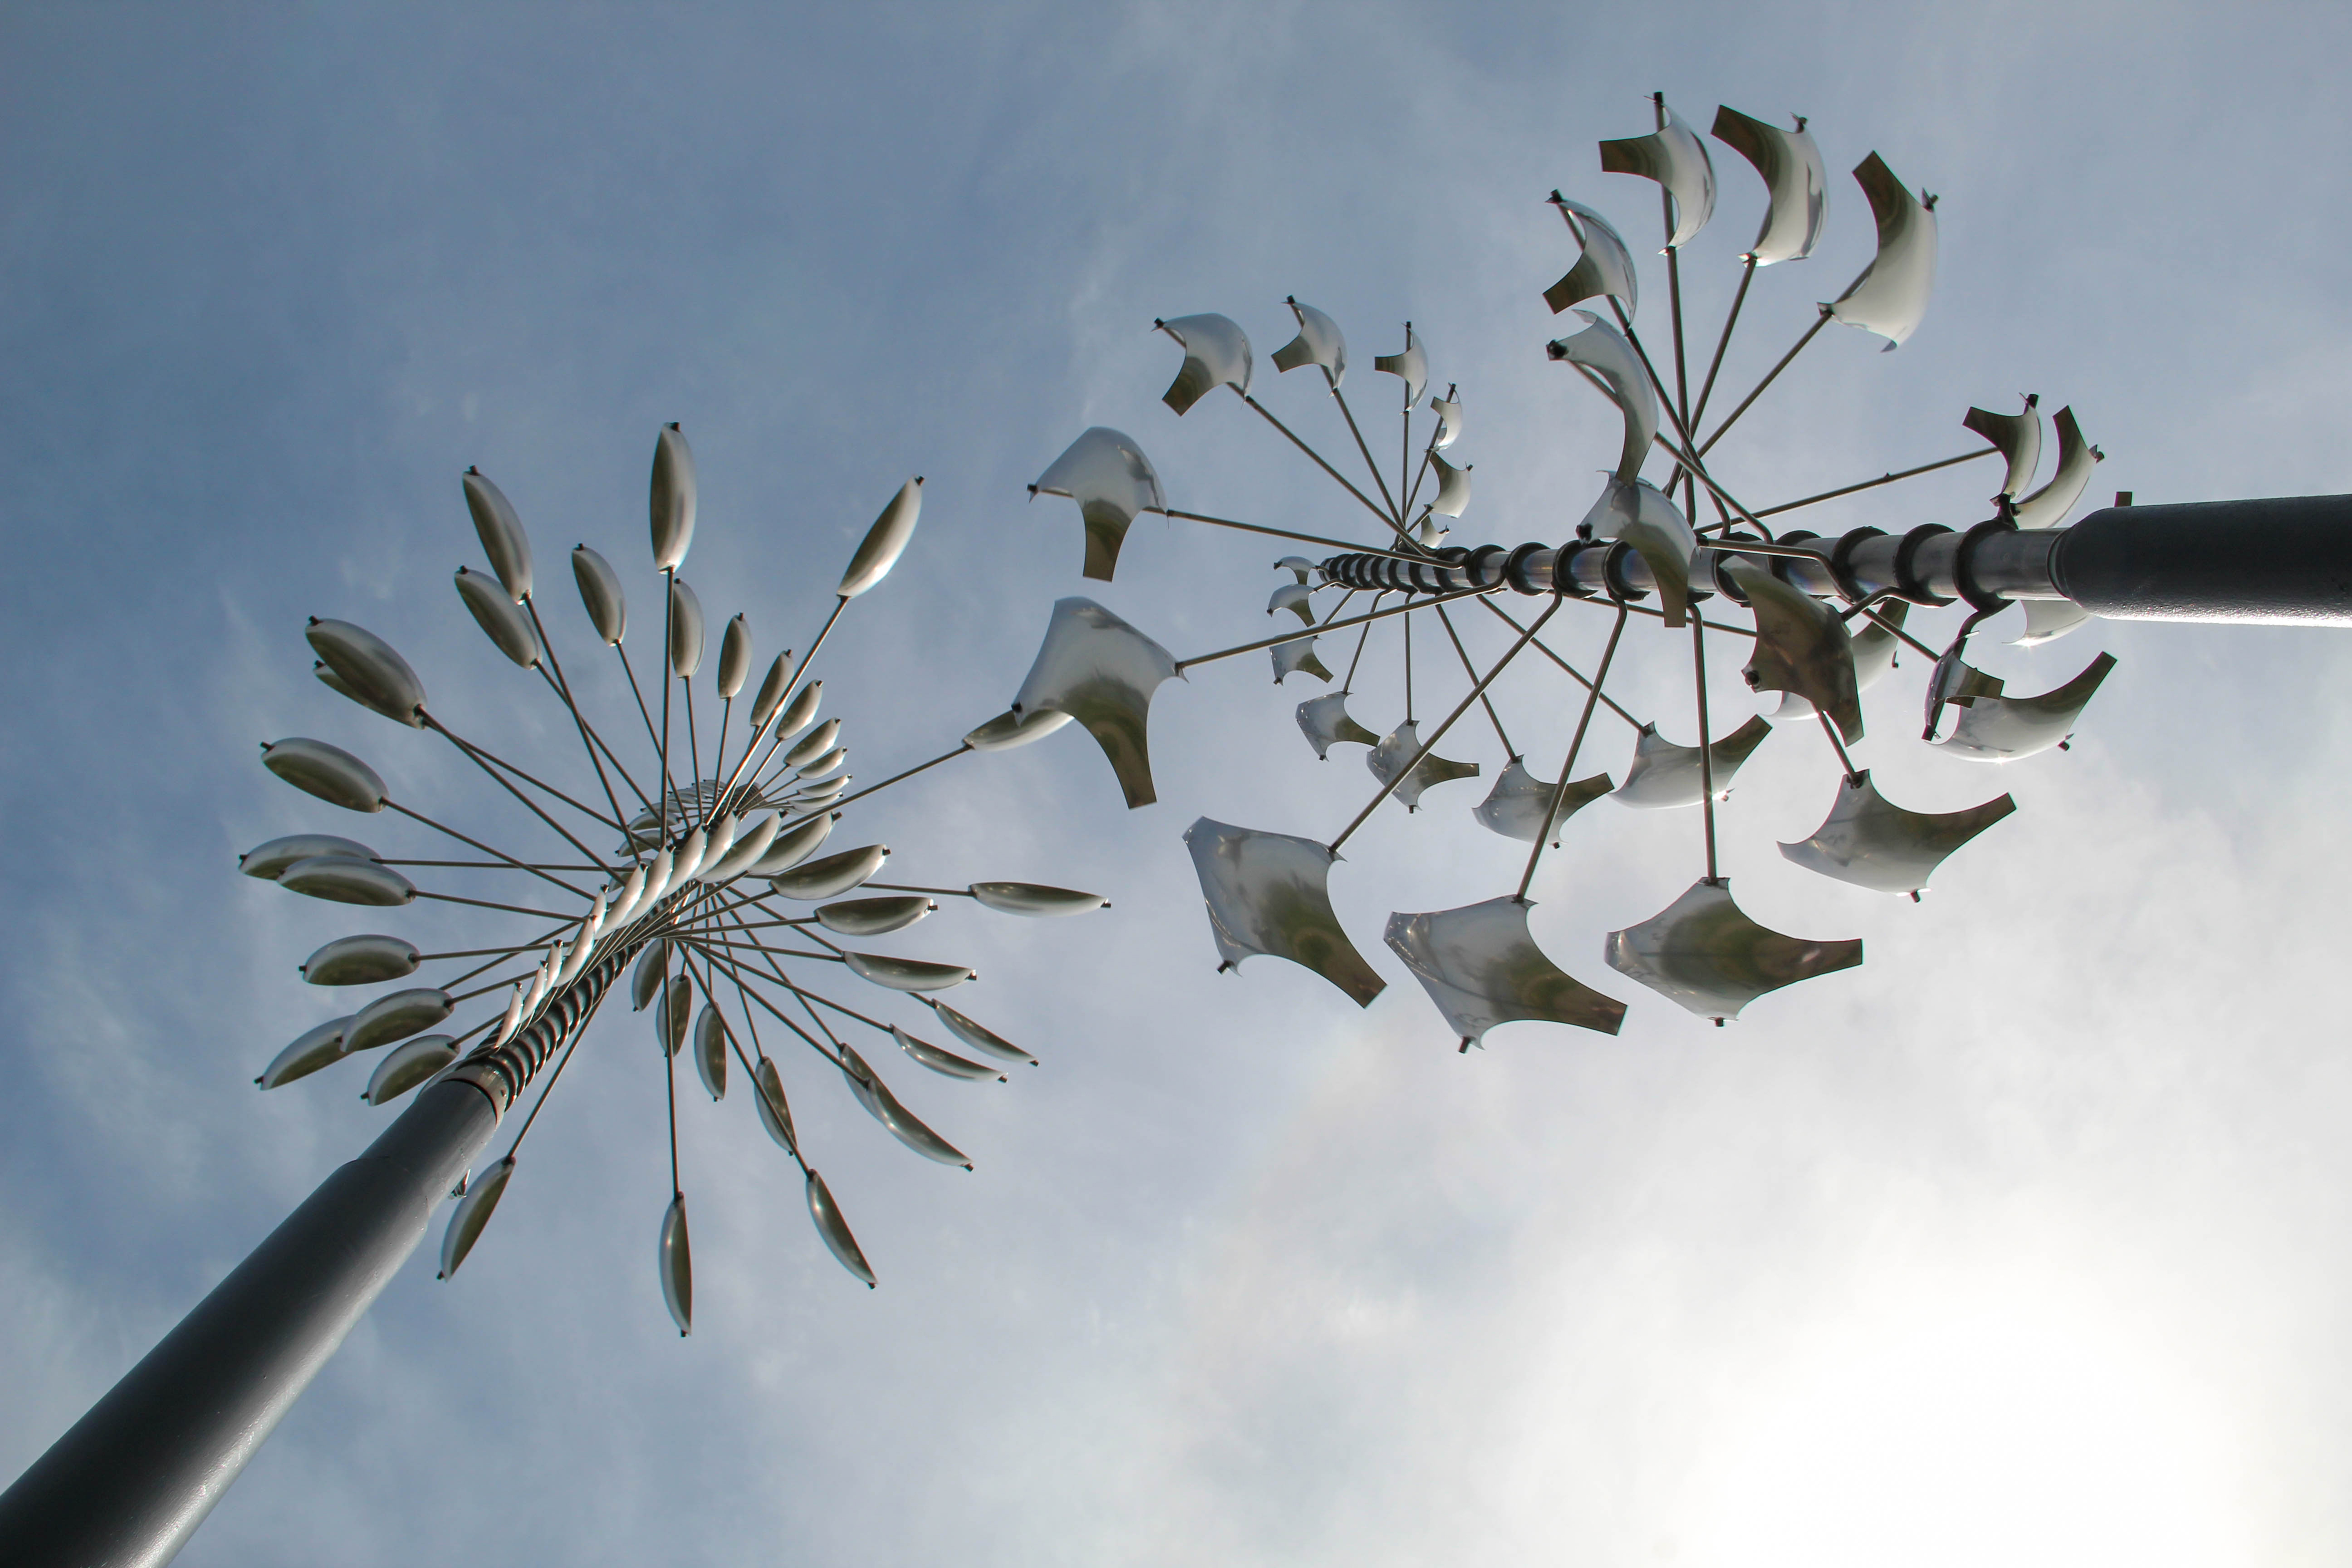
column 131, row 1480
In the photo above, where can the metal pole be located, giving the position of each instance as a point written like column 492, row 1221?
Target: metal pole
column 131, row 1480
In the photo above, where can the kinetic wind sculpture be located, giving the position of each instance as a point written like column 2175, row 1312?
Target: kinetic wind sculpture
column 715, row 903
column 1825, row 617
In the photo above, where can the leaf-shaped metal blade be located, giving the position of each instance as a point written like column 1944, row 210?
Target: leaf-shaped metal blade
column 885, row 542
column 1677, row 160
column 1110, row 479
column 1034, row 899
column 1640, row 515
column 1410, row 366
column 670, row 1014
column 1802, row 648
column 672, row 498
column 1319, row 342
column 1101, row 672
column 794, row 845
column 1395, row 753
column 834, row 875
column 1870, row 841
column 903, row 1124
column 474, row 1211
column 1216, row 354
column 977, row 1036
column 359, row 961
column 1603, row 349
column 371, row 669
column 601, row 595
column 906, row 973
column 945, row 1063
column 405, row 1065
column 653, row 968
column 1891, row 295
column 1703, row 952
column 1325, row 723
column 734, row 657
column 271, row 860
column 1796, row 183
column 676, row 1267
column 1482, row 968
column 2048, row 507
column 1606, row 268
column 1007, row 731
column 2001, row 729
column 313, row 1049
column 814, row 744
column 1664, row 774
column 1452, row 487
column 395, row 1017
column 2016, row 436
column 685, row 629
column 1270, row 893
column 835, row 1230
column 347, row 881
column 505, row 625
column 711, row 1050
column 775, row 1111
column 1298, row 655
column 1515, row 807
column 2047, row 620
column 874, row 917
column 501, row 530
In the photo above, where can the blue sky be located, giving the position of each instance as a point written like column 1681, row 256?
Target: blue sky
column 2021, row 1242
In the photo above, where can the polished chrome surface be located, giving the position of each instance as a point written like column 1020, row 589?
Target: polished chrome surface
column 1007, row 731
column 1603, row 349
column 836, row 874
column 676, row 1266
column 812, row 745
column 685, row 629
column 1640, row 515
column 874, row 917
column 269, row 861
column 1296, row 598
column 826, row 1214
column 408, row 1065
column 1802, row 648
column 1875, row 646
column 1034, row 899
column 2016, row 436
column 1677, row 160
column 885, row 542
column 1482, row 968
column 977, row 1037
column 347, row 881
column 395, row 1017
column 1796, row 183
column 866, row 1085
column 1396, row 755
column 1319, row 342
column 1664, row 774
column 1704, row 952
column 1452, row 487
column 1101, row 672
column 945, row 1063
column 507, row 627
column 501, row 533
column 1325, row 723
column 601, row 595
column 2048, row 507
column 1515, row 807
column 1216, row 354
column 793, row 845
column 1112, row 481
column 734, row 658
column 1410, row 364
column 1871, row 842
column 2001, row 729
column 671, row 500
column 1449, row 422
column 906, row 973
column 1269, row 893
column 1296, row 657
column 1604, row 271
column 361, row 961
column 313, row 1049
column 1891, row 295
column 376, row 675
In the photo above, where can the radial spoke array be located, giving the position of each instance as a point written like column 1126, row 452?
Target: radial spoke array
column 720, row 901
column 1640, row 552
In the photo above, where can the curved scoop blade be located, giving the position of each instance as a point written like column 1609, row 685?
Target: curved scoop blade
column 1411, row 366
column 1270, row 893
column 1876, row 645
column 2047, row 620
column 1871, row 842
column 1796, row 183
column 1604, row 271
column 1399, row 752
column 1482, row 968
column 2016, row 436
column 1325, row 723
column 1319, row 342
column 1110, row 479
column 1102, row 672
column 1216, row 354
column 1802, row 648
column 1638, row 512
column 1603, row 349
column 1704, row 952
column 1999, row 729
column 1452, row 487
column 1515, row 807
column 1891, row 295
column 1665, row 774
column 2048, row 507
column 1295, row 656
column 1676, row 159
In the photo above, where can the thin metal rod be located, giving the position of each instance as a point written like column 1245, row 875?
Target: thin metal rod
column 1429, row 745
column 1908, row 639
column 1386, row 521
column 669, row 1083
column 530, row 805
column 944, row 756
column 1287, row 533
column 1407, row 669
column 1706, row 752
column 935, row 892
column 494, row 759
column 718, row 756
column 1838, row 746
column 614, row 758
column 1348, row 682
column 693, row 741
column 1769, row 376
column 643, row 711
column 578, row 1031
column 562, row 689
column 1184, row 664
column 490, row 865
column 1472, row 671
column 486, row 904
column 766, row 731
column 1568, row 769
column 1882, row 479
column 734, row 970
column 1349, row 414
column 668, row 784
column 391, row 805
column 1723, row 339
column 541, row 940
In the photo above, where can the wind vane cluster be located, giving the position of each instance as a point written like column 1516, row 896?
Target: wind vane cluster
column 1821, row 629
column 701, row 880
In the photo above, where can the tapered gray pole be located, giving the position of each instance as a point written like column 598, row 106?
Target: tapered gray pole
column 132, row 1479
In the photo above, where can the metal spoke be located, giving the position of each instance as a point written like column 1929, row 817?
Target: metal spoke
column 1386, row 522
column 1576, row 743
column 1472, row 671
column 1184, row 664
column 391, row 805
column 1723, row 339
column 1882, row 479
column 1769, row 376
column 1349, row 414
